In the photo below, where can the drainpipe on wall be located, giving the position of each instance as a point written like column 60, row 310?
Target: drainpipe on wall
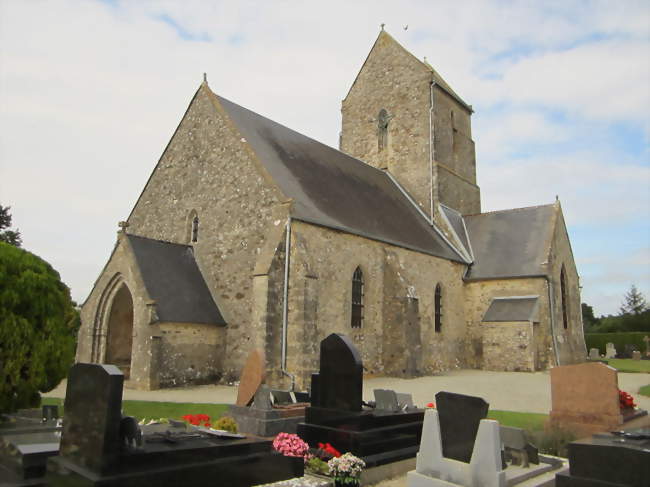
column 285, row 305
column 431, row 145
column 551, row 304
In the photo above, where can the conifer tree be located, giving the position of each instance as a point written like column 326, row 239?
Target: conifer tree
column 37, row 328
column 633, row 302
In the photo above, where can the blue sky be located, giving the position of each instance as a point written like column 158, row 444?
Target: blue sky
column 91, row 91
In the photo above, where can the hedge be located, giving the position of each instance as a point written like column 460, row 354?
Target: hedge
column 619, row 339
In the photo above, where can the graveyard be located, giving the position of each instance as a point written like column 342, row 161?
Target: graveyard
column 291, row 438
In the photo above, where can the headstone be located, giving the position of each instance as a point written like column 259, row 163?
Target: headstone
column 130, row 433
column 627, row 351
column 340, row 381
column 262, row 398
column 610, row 350
column 433, row 468
column 252, row 376
column 50, row 412
column 386, row 400
column 460, row 416
column 301, row 396
column 405, row 400
column 636, row 355
column 517, row 447
column 281, row 397
column 594, row 354
column 584, row 398
column 93, row 404
column 646, row 339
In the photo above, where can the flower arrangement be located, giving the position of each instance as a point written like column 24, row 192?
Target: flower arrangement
column 625, row 400
column 346, row 469
column 198, row 419
column 431, row 405
column 226, row 423
column 290, row 445
column 328, row 450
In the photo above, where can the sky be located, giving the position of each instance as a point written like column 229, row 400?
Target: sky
column 91, row 92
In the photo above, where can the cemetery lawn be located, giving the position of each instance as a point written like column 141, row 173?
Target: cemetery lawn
column 645, row 390
column 629, row 365
column 155, row 409
column 527, row 421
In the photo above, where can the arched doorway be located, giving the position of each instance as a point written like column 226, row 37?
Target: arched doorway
column 120, row 331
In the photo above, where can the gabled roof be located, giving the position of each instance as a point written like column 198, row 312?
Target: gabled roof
column 457, row 226
column 513, row 308
column 439, row 80
column 510, row 243
column 332, row 189
column 174, row 281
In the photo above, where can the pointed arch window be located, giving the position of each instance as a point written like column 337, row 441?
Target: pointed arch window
column 437, row 306
column 195, row 229
column 357, row 299
column 563, row 292
column 382, row 129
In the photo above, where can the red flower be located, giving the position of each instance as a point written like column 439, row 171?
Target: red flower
column 431, row 405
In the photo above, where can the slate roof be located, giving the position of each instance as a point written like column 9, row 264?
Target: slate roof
column 174, row 281
column 332, row 189
column 510, row 243
column 514, row 308
column 455, row 220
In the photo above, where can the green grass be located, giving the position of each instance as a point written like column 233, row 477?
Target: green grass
column 527, row 421
column 154, row 409
column 645, row 390
column 629, row 365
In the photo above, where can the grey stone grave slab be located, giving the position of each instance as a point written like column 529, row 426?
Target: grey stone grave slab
column 460, row 416
column 386, row 400
column 610, row 350
column 594, row 354
column 91, row 428
column 340, row 381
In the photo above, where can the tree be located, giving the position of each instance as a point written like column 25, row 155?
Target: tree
column 633, row 302
column 10, row 236
column 589, row 321
column 37, row 328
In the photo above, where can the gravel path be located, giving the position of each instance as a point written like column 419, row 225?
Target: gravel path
column 508, row 391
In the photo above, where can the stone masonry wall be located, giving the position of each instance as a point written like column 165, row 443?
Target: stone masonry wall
column 120, row 270
column 190, row 353
column 570, row 341
column 479, row 294
column 208, row 168
column 322, row 264
column 509, row 346
column 396, row 81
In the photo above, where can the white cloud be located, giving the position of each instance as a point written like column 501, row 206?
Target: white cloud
column 90, row 95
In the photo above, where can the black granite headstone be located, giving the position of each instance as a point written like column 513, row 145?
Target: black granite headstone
column 459, row 420
column 340, row 380
column 91, row 428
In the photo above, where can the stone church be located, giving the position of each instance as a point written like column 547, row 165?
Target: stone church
column 251, row 235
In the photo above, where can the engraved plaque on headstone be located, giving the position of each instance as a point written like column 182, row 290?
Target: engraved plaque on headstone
column 340, row 380
column 460, row 416
column 91, row 427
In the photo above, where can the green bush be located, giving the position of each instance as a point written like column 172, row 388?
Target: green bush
column 554, row 441
column 37, row 328
column 620, row 339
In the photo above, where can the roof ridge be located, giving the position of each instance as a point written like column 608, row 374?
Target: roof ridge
column 509, row 209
